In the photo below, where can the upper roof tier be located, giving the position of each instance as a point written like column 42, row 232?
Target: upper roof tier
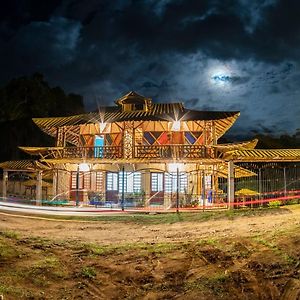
column 149, row 112
column 134, row 107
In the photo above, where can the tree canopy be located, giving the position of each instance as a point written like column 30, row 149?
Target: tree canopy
column 28, row 97
column 24, row 98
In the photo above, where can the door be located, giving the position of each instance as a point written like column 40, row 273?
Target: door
column 98, row 144
column 112, row 184
column 157, row 188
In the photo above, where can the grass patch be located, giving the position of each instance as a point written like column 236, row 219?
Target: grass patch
column 88, row 272
column 210, row 242
column 94, row 249
column 289, row 259
column 215, row 284
column 7, row 251
column 9, row 234
column 171, row 218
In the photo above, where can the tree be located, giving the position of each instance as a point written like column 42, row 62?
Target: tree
column 27, row 97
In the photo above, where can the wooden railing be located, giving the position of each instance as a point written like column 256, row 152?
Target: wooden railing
column 141, row 151
column 171, row 151
column 107, row 152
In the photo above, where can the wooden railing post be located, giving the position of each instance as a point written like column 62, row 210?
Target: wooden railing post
column 4, row 184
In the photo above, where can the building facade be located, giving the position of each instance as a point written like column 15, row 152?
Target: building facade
column 140, row 153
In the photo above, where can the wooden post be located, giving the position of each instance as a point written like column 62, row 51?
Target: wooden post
column 284, row 181
column 77, row 187
column 203, row 193
column 177, row 190
column 54, row 183
column 38, row 189
column 4, row 184
column 123, row 189
column 230, row 184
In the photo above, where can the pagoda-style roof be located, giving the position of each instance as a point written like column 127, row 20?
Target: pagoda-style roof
column 168, row 112
column 263, row 155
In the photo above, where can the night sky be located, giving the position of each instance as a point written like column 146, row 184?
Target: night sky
column 211, row 55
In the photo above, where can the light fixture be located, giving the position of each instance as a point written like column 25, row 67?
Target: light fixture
column 83, row 167
column 176, row 126
column 173, row 167
column 102, row 126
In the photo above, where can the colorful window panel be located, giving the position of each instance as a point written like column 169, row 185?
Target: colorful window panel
column 149, row 138
column 193, row 137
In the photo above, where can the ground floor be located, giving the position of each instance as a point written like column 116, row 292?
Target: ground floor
column 153, row 184
column 139, row 185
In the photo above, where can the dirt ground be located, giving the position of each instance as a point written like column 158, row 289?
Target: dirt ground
column 246, row 257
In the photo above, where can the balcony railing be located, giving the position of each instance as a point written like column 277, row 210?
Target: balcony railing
column 141, row 151
column 171, row 151
column 108, row 152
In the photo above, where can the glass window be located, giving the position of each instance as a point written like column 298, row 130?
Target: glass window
column 132, row 182
column 171, row 182
column 157, row 182
column 112, row 181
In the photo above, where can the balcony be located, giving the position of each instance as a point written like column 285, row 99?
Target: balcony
column 140, row 152
column 171, row 151
column 104, row 152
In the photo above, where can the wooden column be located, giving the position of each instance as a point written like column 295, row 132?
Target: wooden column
column 38, row 189
column 4, row 184
column 146, row 185
column 230, row 184
column 54, row 183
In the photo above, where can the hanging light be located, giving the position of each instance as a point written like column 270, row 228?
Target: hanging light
column 102, row 126
column 83, row 167
column 173, row 167
column 176, row 126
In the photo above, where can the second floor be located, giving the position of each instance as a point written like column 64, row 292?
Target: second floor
column 138, row 128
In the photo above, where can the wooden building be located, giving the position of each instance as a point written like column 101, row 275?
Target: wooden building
column 140, row 152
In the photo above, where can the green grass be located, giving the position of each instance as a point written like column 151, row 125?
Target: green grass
column 216, row 284
column 94, row 249
column 171, row 218
column 274, row 247
column 9, row 234
column 88, row 272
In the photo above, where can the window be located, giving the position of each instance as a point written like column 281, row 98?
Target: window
column 157, row 182
column 171, row 182
column 99, row 181
column 98, row 144
column 112, row 181
column 84, row 180
column 132, row 182
column 139, row 106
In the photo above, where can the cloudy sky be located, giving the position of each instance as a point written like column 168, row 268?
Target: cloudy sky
column 211, row 55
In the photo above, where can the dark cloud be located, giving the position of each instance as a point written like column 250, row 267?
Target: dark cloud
column 230, row 54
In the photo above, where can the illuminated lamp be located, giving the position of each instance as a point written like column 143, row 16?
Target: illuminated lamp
column 176, row 126
column 102, row 126
column 173, row 167
column 83, row 167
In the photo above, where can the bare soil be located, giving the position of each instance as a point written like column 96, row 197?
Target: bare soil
column 245, row 257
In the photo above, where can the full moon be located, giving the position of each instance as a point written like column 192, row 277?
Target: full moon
column 220, row 76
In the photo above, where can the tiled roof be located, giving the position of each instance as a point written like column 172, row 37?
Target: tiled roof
column 24, row 165
column 264, row 155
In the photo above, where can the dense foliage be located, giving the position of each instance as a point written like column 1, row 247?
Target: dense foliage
column 27, row 97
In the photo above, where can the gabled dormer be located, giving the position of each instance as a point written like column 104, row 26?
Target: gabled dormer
column 134, row 102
